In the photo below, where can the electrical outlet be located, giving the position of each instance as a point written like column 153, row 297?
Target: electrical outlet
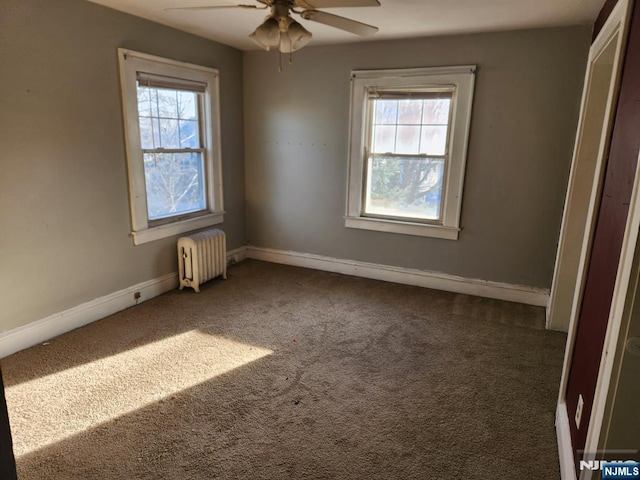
column 136, row 295
column 579, row 410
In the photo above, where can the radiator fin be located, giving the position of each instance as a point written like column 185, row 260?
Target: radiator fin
column 201, row 257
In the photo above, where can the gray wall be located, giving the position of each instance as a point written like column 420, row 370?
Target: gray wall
column 64, row 213
column 525, row 114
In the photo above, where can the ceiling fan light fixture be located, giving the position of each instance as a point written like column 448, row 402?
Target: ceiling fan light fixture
column 282, row 32
column 296, row 37
column 267, row 35
column 255, row 40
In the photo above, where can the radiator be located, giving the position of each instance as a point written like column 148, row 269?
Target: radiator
column 201, row 257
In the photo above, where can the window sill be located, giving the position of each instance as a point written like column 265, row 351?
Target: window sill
column 405, row 228
column 176, row 228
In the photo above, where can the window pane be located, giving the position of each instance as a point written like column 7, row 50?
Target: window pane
column 147, row 102
column 384, row 140
column 436, row 112
column 174, row 183
column 167, row 103
column 168, row 118
column 408, row 140
column 404, row 187
column 169, row 133
column 434, row 140
column 149, row 133
column 187, row 102
column 385, row 111
column 189, row 134
column 410, row 112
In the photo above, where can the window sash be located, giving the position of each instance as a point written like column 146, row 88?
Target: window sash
column 408, row 94
column 413, row 94
column 174, row 150
column 200, row 115
column 368, row 161
column 170, row 83
column 201, row 169
column 176, row 218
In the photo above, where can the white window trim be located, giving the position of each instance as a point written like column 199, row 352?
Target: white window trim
column 463, row 78
column 130, row 63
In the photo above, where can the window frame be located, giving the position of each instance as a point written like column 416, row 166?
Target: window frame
column 462, row 79
column 144, row 230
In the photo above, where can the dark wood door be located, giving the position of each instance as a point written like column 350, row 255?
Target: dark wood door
column 607, row 242
column 7, row 462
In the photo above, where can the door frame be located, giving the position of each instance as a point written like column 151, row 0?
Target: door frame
column 617, row 23
column 572, row 222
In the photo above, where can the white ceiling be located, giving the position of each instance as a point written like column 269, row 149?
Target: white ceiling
column 395, row 18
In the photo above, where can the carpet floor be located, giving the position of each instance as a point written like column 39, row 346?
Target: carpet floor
column 287, row 373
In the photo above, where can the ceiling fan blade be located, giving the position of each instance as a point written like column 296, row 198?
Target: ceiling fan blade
column 312, row 4
column 342, row 23
column 215, row 7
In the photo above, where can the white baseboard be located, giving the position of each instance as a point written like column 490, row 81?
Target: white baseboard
column 39, row 331
column 236, row 255
column 565, row 449
column 407, row 276
column 83, row 314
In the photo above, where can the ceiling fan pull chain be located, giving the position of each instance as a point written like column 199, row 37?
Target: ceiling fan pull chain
column 279, row 60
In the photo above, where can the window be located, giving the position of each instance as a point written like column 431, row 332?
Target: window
column 173, row 145
column 409, row 133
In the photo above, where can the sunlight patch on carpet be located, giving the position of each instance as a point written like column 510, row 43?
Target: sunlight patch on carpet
column 82, row 397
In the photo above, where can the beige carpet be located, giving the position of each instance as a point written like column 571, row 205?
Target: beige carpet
column 287, row 373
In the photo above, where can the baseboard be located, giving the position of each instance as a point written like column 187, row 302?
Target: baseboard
column 39, row 331
column 236, row 255
column 408, row 276
column 565, row 450
column 83, row 314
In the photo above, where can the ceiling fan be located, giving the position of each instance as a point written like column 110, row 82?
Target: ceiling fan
column 281, row 31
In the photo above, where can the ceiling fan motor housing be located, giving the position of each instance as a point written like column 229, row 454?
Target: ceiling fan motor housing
column 281, row 31
column 280, row 12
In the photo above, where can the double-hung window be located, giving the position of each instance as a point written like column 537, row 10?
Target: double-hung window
column 173, row 145
column 408, row 146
